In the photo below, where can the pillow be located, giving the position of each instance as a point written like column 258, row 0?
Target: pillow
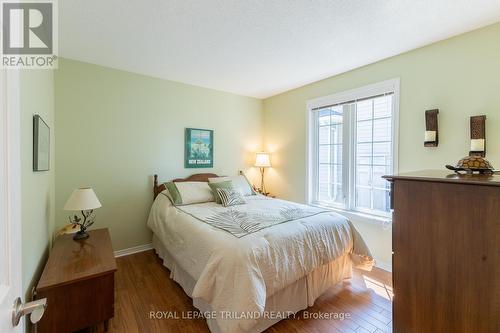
column 186, row 193
column 230, row 197
column 214, row 186
column 174, row 196
column 240, row 182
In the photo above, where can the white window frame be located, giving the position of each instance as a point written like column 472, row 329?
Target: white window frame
column 388, row 86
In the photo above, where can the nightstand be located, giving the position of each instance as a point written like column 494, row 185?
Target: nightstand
column 79, row 283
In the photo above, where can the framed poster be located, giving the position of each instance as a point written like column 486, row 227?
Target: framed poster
column 199, row 148
column 41, row 144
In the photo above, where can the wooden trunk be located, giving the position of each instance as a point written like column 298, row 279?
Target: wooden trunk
column 78, row 282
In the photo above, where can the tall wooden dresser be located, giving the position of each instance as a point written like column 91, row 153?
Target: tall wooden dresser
column 446, row 252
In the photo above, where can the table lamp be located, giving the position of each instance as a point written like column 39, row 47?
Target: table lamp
column 85, row 201
column 262, row 161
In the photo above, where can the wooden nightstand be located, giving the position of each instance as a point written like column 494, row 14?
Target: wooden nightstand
column 78, row 282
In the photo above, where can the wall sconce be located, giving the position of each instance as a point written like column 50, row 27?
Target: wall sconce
column 431, row 138
column 478, row 136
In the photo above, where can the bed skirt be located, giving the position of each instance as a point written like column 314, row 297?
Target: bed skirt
column 297, row 296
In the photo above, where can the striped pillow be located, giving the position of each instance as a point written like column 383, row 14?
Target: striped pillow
column 230, row 197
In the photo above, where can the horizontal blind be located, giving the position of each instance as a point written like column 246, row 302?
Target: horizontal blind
column 351, row 101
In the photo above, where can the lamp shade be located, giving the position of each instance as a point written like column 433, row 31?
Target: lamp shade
column 262, row 160
column 82, row 199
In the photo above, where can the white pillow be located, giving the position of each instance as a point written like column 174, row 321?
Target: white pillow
column 240, row 183
column 194, row 192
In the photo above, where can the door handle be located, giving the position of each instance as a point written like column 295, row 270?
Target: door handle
column 35, row 308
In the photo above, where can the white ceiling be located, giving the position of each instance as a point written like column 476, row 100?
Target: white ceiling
column 257, row 47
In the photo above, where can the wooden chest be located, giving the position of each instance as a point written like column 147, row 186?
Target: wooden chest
column 78, row 282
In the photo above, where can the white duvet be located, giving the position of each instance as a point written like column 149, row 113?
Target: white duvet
column 238, row 274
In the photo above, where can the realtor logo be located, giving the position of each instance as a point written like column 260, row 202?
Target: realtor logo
column 29, row 34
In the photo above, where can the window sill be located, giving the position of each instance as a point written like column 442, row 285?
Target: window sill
column 385, row 222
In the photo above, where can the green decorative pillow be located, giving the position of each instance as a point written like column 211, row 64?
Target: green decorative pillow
column 214, row 186
column 230, row 197
column 240, row 182
column 175, row 195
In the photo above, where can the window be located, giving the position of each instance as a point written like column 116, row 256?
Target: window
column 352, row 144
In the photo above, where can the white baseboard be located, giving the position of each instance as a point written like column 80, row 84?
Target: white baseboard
column 132, row 250
column 383, row 265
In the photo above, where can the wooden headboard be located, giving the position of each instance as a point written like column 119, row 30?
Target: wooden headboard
column 197, row 177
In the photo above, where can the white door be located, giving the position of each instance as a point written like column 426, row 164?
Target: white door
column 10, row 200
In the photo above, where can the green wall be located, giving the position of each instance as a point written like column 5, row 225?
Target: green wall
column 37, row 188
column 460, row 76
column 116, row 129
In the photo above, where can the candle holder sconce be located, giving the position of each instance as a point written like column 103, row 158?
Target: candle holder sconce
column 478, row 136
column 431, row 128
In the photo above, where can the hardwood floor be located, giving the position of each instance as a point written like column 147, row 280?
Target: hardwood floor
column 143, row 285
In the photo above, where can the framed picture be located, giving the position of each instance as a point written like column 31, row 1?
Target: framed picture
column 199, row 148
column 41, row 144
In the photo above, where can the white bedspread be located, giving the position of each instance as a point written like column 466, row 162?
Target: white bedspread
column 238, row 274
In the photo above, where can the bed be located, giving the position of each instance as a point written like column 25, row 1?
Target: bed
column 248, row 266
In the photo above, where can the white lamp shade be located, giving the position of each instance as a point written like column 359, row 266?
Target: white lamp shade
column 82, row 199
column 262, row 160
